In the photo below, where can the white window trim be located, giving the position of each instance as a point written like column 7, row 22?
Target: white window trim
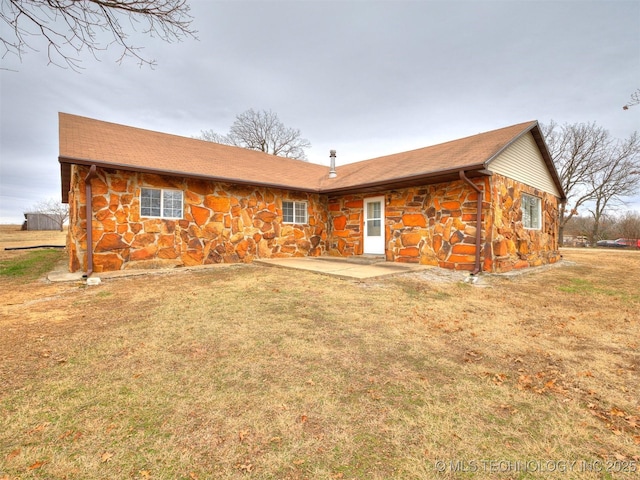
column 297, row 205
column 162, row 190
column 538, row 201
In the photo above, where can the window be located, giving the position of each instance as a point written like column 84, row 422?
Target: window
column 294, row 212
column 374, row 219
column 161, row 203
column 531, row 212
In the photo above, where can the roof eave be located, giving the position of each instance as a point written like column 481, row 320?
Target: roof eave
column 65, row 162
column 544, row 150
column 409, row 181
column 65, row 180
column 406, row 181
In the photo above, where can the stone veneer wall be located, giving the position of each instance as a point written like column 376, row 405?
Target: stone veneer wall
column 436, row 225
column 431, row 224
column 222, row 223
column 514, row 246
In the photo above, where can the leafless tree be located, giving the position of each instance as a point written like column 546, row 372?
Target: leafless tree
column 262, row 131
column 625, row 225
column 635, row 100
column 582, row 225
column 593, row 167
column 619, row 177
column 211, row 136
column 577, row 151
column 54, row 210
column 579, row 226
column 70, row 26
column 628, row 226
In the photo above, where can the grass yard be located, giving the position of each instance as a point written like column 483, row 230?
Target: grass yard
column 255, row 372
column 31, row 266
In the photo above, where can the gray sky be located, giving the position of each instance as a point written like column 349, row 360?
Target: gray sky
column 365, row 78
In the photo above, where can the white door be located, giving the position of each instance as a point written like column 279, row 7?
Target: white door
column 374, row 226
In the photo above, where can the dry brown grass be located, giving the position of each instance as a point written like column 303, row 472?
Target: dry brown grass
column 255, row 372
column 13, row 236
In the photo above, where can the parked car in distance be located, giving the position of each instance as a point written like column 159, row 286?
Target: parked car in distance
column 629, row 242
column 619, row 243
column 611, row 244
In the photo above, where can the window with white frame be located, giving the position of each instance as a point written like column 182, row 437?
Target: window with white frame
column 294, row 212
column 158, row 202
column 531, row 212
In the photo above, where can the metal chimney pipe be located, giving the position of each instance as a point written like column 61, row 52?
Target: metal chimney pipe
column 332, row 169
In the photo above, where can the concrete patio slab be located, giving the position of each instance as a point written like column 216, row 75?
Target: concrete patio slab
column 349, row 268
column 62, row 276
column 342, row 267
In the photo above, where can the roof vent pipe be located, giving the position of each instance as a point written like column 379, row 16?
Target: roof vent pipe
column 332, row 169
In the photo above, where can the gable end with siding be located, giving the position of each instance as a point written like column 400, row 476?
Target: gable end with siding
column 522, row 161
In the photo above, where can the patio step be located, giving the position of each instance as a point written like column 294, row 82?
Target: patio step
column 359, row 259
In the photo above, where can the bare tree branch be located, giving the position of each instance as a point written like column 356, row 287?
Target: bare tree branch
column 211, row 136
column 577, row 151
column 595, row 170
column 262, row 131
column 629, row 226
column 619, row 178
column 70, row 26
column 635, row 100
column 54, row 210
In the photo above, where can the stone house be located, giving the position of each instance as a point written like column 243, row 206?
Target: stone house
column 144, row 199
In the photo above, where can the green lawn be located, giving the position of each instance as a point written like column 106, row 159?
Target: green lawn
column 31, row 265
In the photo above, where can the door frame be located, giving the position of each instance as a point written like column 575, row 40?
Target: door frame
column 376, row 245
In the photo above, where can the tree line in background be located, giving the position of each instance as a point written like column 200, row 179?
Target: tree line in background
column 579, row 230
column 598, row 172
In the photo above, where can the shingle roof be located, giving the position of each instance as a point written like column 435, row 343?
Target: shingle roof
column 472, row 153
column 87, row 141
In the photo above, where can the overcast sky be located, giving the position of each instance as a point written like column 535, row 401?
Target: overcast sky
column 365, row 78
